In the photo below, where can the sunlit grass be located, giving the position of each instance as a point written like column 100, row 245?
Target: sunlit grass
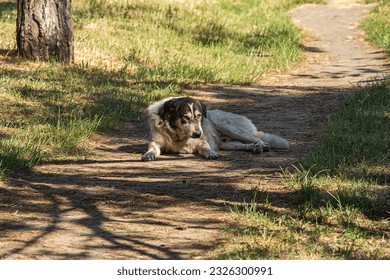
column 377, row 25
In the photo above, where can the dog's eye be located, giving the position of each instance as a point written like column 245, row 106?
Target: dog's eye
column 186, row 118
column 198, row 116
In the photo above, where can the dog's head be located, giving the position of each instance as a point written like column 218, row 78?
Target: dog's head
column 185, row 116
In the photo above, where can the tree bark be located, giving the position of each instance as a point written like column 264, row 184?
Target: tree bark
column 45, row 30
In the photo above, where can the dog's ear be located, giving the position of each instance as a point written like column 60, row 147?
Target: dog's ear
column 167, row 109
column 203, row 107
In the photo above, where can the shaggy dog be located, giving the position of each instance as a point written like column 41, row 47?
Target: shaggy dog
column 184, row 125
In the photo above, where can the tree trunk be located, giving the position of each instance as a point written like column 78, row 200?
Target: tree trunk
column 45, row 30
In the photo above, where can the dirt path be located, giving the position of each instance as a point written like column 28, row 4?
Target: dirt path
column 115, row 207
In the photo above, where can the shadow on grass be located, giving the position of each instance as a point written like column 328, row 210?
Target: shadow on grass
column 6, row 6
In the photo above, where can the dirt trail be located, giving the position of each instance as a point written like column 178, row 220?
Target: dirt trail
column 114, row 206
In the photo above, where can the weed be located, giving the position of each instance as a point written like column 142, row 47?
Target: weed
column 356, row 141
column 210, row 32
column 377, row 25
column 18, row 153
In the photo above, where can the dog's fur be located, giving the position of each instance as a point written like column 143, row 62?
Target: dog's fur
column 184, row 125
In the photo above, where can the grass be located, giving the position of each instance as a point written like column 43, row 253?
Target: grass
column 215, row 41
column 331, row 231
column 341, row 194
column 356, row 141
column 377, row 25
column 150, row 49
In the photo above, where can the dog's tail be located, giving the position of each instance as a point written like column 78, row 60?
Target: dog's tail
column 275, row 141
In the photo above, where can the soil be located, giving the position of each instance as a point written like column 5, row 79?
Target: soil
column 113, row 206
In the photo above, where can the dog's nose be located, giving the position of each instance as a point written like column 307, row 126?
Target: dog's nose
column 196, row 134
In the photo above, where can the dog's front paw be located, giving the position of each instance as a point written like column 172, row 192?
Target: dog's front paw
column 148, row 157
column 260, row 147
column 210, row 154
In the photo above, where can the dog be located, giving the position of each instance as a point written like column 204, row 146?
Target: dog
column 184, row 125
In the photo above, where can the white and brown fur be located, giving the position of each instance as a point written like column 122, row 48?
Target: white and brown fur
column 184, row 125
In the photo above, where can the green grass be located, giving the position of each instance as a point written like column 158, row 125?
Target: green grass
column 341, row 194
column 377, row 25
column 356, row 141
column 215, row 41
column 127, row 54
column 259, row 230
column 52, row 112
